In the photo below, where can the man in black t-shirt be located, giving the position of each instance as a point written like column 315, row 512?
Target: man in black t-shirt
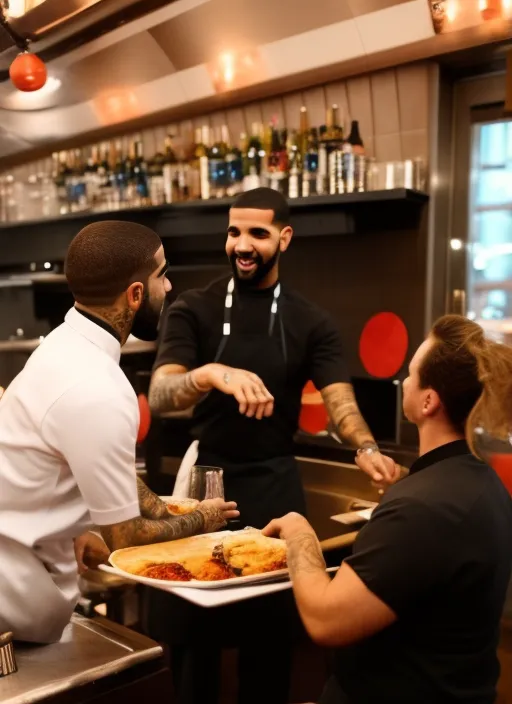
column 414, row 613
column 240, row 351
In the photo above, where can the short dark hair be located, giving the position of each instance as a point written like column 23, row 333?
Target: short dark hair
column 106, row 257
column 266, row 199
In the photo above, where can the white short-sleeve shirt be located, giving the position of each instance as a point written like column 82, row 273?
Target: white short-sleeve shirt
column 68, row 429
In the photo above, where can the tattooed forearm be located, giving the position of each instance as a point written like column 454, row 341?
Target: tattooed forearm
column 172, row 391
column 304, row 554
column 151, row 505
column 143, row 531
column 342, row 407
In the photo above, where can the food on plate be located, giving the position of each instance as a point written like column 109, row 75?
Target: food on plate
column 214, row 570
column 204, row 558
column 252, row 553
column 170, row 570
column 179, row 507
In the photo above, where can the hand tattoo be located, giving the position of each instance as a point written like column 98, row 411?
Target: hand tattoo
column 213, row 518
column 172, row 391
column 342, row 407
column 151, row 505
column 143, row 531
column 304, row 554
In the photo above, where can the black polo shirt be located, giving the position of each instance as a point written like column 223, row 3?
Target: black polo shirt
column 311, row 349
column 438, row 551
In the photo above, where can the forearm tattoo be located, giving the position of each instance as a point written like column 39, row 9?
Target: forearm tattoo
column 304, row 554
column 151, row 505
column 172, row 392
column 143, row 531
column 342, row 407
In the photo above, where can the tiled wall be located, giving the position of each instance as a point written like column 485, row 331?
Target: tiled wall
column 392, row 107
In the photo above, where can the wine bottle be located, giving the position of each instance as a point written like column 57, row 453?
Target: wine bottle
column 295, row 165
column 310, row 168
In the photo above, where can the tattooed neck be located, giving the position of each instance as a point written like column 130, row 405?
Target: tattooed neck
column 119, row 319
column 305, row 554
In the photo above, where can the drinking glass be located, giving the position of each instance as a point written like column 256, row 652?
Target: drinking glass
column 206, row 483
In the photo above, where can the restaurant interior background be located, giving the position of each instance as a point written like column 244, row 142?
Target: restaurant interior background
column 161, row 111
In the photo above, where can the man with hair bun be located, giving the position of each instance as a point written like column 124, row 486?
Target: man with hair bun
column 68, row 430
column 414, row 613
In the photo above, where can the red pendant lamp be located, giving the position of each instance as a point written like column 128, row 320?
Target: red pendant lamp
column 27, row 71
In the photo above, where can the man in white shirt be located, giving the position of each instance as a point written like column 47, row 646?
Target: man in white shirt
column 68, row 428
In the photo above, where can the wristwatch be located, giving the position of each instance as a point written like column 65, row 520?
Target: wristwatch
column 367, row 449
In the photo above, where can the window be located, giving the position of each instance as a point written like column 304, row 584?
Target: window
column 490, row 236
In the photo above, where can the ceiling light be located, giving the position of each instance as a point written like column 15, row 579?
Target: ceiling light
column 452, row 10
column 456, row 244
column 37, row 100
column 16, row 8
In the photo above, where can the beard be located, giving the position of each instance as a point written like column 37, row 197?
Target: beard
column 146, row 320
column 253, row 278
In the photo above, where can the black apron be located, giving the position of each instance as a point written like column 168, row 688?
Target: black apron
column 266, row 487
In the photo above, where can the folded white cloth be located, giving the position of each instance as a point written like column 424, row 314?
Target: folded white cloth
column 182, row 484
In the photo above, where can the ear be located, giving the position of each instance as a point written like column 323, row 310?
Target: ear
column 285, row 237
column 431, row 403
column 135, row 295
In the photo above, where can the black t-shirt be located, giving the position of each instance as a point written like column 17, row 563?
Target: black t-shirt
column 438, row 551
column 308, row 347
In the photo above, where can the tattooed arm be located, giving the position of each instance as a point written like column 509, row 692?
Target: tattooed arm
column 210, row 516
column 344, row 413
column 335, row 613
column 173, row 388
column 151, row 505
column 342, row 407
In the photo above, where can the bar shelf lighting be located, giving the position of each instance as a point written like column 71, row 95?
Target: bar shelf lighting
column 449, row 14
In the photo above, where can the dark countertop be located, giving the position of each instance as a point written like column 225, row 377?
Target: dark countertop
column 325, row 447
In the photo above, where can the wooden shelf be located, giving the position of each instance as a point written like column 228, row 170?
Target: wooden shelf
column 204, row 223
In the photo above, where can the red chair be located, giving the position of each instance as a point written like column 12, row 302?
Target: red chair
column 502, row 464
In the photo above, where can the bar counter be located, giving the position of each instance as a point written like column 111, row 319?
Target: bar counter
column 95, row 658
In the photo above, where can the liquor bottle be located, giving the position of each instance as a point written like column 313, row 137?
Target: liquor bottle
column 252, row 159
column 335, row 152
column 278, row 167
column 303, row 130
column 170, row 171
column 201, row 155
column 354, row 161
column 235, row 167
column 295, row 165
column 120, row 176
column 354, row 139
column 155, row 167
column 140, row 175
column 310, row 165
column 91, row 177
column 217, row 166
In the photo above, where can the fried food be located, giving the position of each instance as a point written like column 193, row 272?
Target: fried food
column 252, row 553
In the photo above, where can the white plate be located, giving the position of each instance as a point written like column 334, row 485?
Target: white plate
column 167, row 584
column 211, row 598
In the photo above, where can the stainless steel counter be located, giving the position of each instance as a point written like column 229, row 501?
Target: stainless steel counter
column 88, row 651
